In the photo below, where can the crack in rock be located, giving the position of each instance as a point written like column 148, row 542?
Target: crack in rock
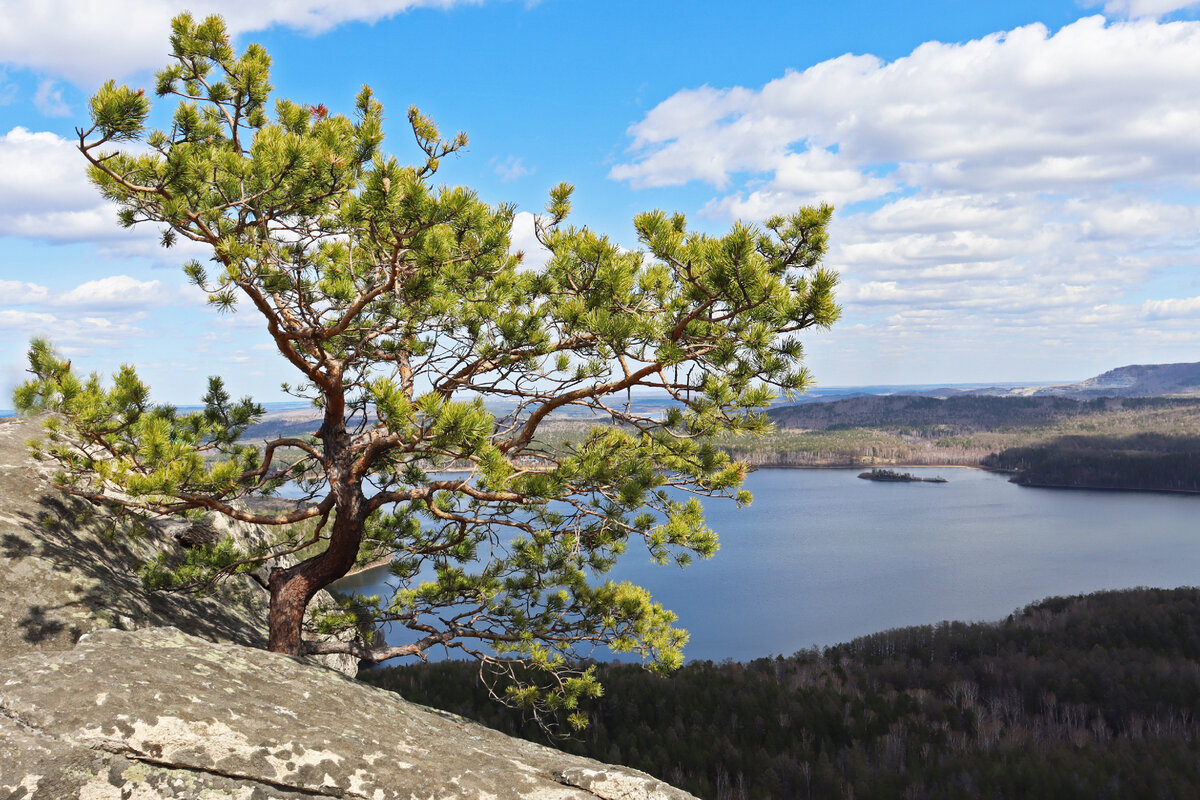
column 260, row 725
column 612, row 785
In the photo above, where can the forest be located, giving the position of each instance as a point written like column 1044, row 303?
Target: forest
column 1102, row 442
column 1091, row 697
column 1147, row 461
column 1105, row 442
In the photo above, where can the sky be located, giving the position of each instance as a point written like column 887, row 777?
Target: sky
column 1017, row 183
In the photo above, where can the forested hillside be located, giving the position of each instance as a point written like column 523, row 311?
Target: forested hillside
column 1084, row 697
column 1148, row 461
column 963, row 430
column 969, row 413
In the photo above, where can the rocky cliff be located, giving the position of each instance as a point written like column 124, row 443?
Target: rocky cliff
column 70, row 567
column 157, row 713
column 99, row 699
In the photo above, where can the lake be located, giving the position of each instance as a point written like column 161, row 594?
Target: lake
column 822, row 556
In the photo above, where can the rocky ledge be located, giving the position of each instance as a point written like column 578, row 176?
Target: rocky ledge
column 158, row 713
column 69, row 567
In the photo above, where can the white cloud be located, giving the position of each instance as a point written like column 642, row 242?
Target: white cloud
column 120, row 293
column 17, row 293
column 116, row 294
column 1089, row 105
column 1020, row 190
column 48, row 99
column 70, row 334
column 93, row 41
column 45, row 195
column 525, row 240
column 1146, row 8
column 1173, row 308
column 511, row 169
column 41, row 172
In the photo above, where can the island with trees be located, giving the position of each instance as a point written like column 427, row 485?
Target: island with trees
column 893, row 476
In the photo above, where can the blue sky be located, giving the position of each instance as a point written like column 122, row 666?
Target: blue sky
column 1016, row 182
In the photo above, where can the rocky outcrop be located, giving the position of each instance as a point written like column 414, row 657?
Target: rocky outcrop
column 158, row 713
column 70, row 568
column 100, row 699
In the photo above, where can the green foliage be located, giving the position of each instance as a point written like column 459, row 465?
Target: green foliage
column 1088, row 697
column 1147, row 461
column 409, row 321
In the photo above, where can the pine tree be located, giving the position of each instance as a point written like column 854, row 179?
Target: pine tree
column 425, row 342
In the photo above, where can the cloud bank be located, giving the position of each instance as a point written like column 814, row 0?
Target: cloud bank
column 93, row 41
column 1028, row 185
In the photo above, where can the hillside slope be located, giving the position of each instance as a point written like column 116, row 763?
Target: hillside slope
column 1143, row 380
column 1083, row 697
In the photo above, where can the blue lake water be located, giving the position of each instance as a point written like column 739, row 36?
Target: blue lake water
column 822, row 556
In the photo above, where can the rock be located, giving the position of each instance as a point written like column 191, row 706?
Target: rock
column 158, row 713
column 70, row 568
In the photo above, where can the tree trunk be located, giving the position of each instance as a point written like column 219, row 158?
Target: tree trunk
column 293, row 587
column 290, row 594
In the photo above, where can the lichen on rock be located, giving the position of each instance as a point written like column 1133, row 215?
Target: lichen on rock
column 128, row 714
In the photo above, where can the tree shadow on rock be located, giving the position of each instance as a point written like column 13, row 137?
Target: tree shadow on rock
column 97, row 553
column 37, row 627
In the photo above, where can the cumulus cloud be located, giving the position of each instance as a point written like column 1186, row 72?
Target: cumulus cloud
column 1025, row 185
column 40, row 172
column 95, row 41
column 97, row 316
column 18, row 293
column 1173, row 308
column 115, row 293
column 1091, row 104
column 120, row 293
column 45, row 195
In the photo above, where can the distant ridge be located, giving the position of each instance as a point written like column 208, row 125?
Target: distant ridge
column 1134, row 380
column 1146, row 380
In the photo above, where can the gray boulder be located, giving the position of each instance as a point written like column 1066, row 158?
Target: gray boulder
column 158, row 713
column 69, row 567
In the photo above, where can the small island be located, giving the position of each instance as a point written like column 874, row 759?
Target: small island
column 892, row 476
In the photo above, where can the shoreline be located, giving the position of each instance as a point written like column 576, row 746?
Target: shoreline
column 379, row 562
column 884, row 465
column 996, row 470
column 1104, row 488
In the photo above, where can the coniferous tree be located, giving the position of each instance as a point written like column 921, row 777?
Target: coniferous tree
column 408, row 321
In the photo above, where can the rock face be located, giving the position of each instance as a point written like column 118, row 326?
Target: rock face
column 100, row 701
column 157, row 713
column 69, row 568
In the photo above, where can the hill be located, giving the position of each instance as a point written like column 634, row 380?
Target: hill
column 1139, row 380
column 1082, row 697
column 1105, row 442
column 956, row 414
